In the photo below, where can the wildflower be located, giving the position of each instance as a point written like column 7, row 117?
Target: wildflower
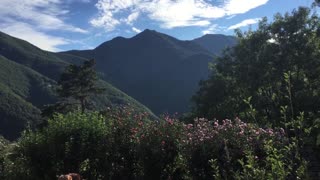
column 241, row 132
column 270, row 132
column 216, row 124
column 163, row 143
column 189, row 126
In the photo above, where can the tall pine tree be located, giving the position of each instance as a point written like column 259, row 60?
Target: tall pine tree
column 76, row 85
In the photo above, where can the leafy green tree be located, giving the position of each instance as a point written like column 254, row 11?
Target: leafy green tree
column 76, row 85
column 273, row 66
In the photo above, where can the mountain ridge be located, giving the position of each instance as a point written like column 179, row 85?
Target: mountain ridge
column 28, row 81
column 153, row 67
column 208, row 42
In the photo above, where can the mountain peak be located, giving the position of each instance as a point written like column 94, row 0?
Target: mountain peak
column 211, row 35
column 147, row 33
column 215, row 43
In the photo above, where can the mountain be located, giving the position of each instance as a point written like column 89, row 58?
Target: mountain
column 215, row 43
column 158, row 70
column 20, row 85
column 28, row 80
column 31, row 56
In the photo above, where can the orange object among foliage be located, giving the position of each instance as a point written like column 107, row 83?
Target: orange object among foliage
column 70, row 176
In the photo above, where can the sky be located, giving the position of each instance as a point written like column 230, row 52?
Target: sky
column 60, row 25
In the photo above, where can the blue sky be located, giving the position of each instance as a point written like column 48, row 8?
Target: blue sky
column 59, row 25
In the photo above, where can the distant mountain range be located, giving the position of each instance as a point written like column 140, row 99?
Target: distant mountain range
column 158, row 70
column 216, row 43
column 28, row 80
column 155, row 69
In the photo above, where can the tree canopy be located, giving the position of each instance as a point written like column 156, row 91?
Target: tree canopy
column 270, row 72
column 76, row 85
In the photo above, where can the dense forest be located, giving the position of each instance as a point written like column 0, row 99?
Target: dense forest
column 255, row 117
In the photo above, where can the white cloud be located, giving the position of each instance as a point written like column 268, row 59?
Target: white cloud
column 28, row 33
column 242, row 6
column 170, row 13
column 42, row 14
column 132, row 17
column 182, row 13
column 136, row 30
column 107, row 21
column 107, row 9
column 230, row 17
column 245, row 23
column 32, row 20
column 211, row 30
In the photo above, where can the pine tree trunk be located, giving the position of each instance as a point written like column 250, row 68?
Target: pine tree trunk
column 82, row 101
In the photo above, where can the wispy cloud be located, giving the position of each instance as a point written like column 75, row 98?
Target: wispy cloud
column 233, row 7
column 211, row 30
column 43, row 14
column 136, row 30
column 170, row 13
column 245, row 23
column 131, row 18
column 28, row 33
column 37, row 18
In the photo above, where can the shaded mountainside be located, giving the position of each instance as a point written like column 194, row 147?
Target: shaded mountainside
column 28, row 81
column 215, row 43
column 31, row 56
column 19, row 86
column 158, row 70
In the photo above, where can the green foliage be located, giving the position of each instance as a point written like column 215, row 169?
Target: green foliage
column 79, row 83
column 31, row 56
column 124, row 144
column 271, row 77
column 3, row 144
column 71, row 143
column 276, row 65
column 19, row 86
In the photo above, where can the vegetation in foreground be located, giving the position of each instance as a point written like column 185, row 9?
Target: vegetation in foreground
column 125, row 145
column 270, row 79
column 28, row 80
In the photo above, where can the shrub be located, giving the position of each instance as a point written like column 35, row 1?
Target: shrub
column 71, row 143
column 126, row 145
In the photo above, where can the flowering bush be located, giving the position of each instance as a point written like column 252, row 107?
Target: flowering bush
column 227, row 142
column 123, row 144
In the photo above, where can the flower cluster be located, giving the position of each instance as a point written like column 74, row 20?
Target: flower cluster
column 131, row 144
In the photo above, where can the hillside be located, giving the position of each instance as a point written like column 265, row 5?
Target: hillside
column 19, row 86
column 27, row 82
column 158, row 70
column 215, row 43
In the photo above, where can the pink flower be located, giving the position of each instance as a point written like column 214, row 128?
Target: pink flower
column 241, row 132
column 163, row 143
column 270, row 132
